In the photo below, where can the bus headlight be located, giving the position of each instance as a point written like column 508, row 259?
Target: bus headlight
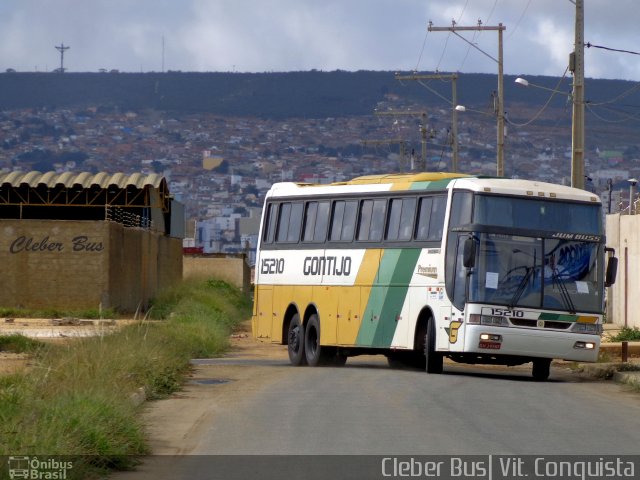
column 590, row 328
column 584, row 345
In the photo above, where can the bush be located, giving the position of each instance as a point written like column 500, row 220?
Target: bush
column 627, row 335
column 17, row 343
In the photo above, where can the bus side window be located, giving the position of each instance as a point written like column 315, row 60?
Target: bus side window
column 377, row 220
column 322, row 220
column 336, row 221
column 366, row 210
column 436, row 224
column 316, row 219
column 270, row 224
column 310, row 217
column 283, row 222
column 424, row 217
column 371, row 224
column 289, row 222
column 400, row 219
column 349, row 222
column 295, row 223
column 393, row 224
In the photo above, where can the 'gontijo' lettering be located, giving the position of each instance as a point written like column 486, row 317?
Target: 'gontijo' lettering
column 327, row 266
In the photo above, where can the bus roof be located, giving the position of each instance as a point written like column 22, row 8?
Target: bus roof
column 404, row 178
column 529, row 188
column 435, row 181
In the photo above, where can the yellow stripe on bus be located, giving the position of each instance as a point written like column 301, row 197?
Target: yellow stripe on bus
column 353, row 300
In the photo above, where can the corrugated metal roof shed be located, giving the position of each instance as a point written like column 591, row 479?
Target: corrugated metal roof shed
column 137, row 199
column 84, row 179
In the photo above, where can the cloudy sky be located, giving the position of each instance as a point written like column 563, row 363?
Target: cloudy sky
column 286, row 35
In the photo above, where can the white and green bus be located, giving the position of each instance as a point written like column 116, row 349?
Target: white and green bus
column 419, row 267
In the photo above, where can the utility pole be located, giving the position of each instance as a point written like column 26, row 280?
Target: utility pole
column 500, row 105
column 387, row 142
column 61, row 48
column 423, row 133
column 576, row 65
column 454, row 113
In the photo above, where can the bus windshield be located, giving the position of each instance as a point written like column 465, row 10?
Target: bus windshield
column 537, row 214
column 552, row 274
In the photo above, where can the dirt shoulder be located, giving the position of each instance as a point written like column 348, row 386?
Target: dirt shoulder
column 50, row 330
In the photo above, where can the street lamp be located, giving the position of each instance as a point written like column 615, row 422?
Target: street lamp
column 526, row 83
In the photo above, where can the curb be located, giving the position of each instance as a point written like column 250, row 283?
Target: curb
column 616, row 348
column 629, row 378
column 618, row 372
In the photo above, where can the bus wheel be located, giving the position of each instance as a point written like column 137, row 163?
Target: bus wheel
column 541, row 368
column 312, row 348
column 295, row 342
column 434, row 360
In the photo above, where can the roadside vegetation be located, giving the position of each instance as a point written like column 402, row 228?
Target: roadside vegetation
column 627, row 335
column 16, row 343
column 78, row 398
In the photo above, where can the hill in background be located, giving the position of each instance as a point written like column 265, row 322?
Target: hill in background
column 313, row 94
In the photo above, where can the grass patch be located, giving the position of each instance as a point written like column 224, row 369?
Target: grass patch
column 627, row 335
column 76, row 400
column 16, row 343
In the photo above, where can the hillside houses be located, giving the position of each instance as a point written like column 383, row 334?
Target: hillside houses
column 257, row 152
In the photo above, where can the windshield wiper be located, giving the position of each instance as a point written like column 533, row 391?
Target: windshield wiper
column 522, row 286
column 564, row 293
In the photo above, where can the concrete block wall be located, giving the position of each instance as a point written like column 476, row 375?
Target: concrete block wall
column 84, row 264
column 230, row 268
column 623, row 234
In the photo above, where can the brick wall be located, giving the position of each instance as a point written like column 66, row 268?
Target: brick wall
column 84, row 264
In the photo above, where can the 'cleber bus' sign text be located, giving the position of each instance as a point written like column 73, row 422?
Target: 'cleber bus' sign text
column 80, row 243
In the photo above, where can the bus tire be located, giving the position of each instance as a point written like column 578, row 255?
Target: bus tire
column 433, row 360
column 295, row 342
column 312, row 348
column 541, row 369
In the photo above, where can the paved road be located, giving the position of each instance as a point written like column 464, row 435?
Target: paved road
column 266, row 407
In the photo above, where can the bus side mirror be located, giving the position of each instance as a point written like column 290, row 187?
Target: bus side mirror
column 612, row 271
column 469, row 253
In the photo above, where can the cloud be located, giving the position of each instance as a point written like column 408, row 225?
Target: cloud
column 283, row 35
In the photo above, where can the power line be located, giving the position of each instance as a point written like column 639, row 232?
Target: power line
column 589, row 45
column 493, row 9
column 626, row 118
column 615, row 99
column 444, row 49
column 424, row 42
column 519, row 20
column 539, row 112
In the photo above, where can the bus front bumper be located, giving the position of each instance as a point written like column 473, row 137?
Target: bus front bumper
column 528, row 342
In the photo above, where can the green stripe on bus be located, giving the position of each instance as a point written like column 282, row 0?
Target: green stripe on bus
column 556, row 317
column 387, row 296
column 435, row 185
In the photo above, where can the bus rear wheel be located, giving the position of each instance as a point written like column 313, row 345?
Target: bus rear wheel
column 312, row 349
column 541, row 368
column 434, row 360
column 295, row 342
